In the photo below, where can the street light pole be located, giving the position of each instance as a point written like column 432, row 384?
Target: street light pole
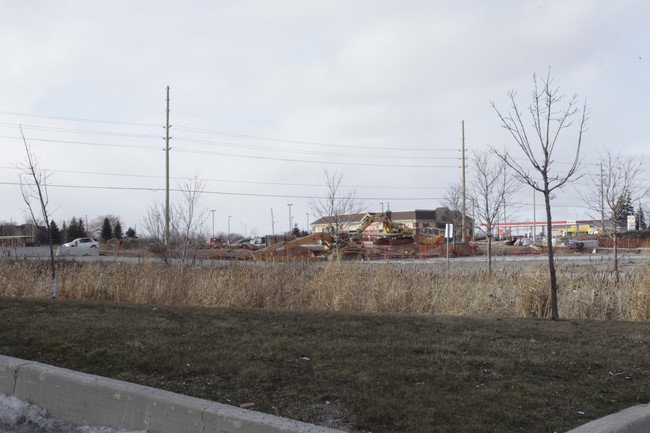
column 307, row 213
column 229, row 229
column 290, row 221
column 382, row 206
column 213, row 221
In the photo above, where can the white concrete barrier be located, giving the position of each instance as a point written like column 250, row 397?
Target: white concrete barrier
column 92, row 400
column 86, row 399
column 24, row 252
column 635, row 419
column 76, row 251
column 44, row 252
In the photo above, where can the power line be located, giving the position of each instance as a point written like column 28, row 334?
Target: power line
column 311, row 152
column 158, row 189
column 77, row 131
column 225, row 144
column 207, row 152
column 211, row 132
column 78, row 119
column 95, row 173
column 87, row 143
column 316, row 143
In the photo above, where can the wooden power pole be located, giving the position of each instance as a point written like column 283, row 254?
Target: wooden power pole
column 464, row 191
column 167, row 173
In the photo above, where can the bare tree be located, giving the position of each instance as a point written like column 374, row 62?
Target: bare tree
column 186, row 219
column 549, row 119
column 95, row 226
column 33, row 184
column 189, row 216
column 338, row 206
column 618, row 184
column 490, row 190
column 154, row 223
column 453, row 200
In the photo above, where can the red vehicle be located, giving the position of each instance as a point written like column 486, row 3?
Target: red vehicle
column 215, row 241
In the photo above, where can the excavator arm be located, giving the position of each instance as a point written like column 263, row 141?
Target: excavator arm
column 280, row 250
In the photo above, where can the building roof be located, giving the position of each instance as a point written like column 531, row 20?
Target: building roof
column 438, row 214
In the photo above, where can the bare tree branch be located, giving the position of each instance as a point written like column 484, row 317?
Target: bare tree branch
column 490, row 191
column 620, row 181
column 337, row 206
column 548, row 122
column 33, row 185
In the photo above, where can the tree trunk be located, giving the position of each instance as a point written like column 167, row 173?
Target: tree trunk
column 616, row 251
column 551, row 261
column 489, row 252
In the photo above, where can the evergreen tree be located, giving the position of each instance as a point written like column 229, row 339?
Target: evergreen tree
column 64, row 233
column 73, row 228
column 76, row 229
column 640, row 219
column 82, row 228
column 130, row 233
column 117, row 231
column 107, row 232
column 624, row 207
column 56, row 234
column 297, row 232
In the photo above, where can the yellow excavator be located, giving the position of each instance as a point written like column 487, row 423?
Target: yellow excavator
column 396, row 233
column 288, row 250
column 323, row 248
column 392, row 232
column 389, row 226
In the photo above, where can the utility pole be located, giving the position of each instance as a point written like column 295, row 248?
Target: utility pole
column 290, row 227
column 602, row 199
column 464, row 192
column 505, row 217
column 272, row 223
column 166, row 240
column 213, row 210
column 534, row 218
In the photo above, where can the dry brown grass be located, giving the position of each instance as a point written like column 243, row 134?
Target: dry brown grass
column 585, row 291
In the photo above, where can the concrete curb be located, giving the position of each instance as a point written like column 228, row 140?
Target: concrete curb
column 635, row 419
column 44, row 252
column 85, row 399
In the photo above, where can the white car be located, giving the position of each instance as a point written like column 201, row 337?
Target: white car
column 83, row 243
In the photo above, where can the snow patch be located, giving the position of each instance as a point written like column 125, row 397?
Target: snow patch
column 15, row 412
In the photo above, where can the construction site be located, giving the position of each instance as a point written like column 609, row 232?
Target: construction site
column 413, row 235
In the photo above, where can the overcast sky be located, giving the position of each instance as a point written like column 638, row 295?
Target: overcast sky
column 266, row 96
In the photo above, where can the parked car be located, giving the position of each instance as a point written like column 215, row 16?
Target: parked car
column 83, row 243
column 215, row 241
column 575, row 244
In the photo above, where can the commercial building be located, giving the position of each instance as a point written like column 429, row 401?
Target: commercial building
column 539, row 228
column 418, row 220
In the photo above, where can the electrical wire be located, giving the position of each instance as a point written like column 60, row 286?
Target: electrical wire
column 316, row 143
column 78, row 119
column 158, row 189
column 94, row 173
column 231, row 155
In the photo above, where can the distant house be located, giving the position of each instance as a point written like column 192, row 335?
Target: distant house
column 18, row 235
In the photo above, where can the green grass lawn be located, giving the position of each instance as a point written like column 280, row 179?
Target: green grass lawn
column 354, row 371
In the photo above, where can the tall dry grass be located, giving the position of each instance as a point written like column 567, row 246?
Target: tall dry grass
column 585, row 291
